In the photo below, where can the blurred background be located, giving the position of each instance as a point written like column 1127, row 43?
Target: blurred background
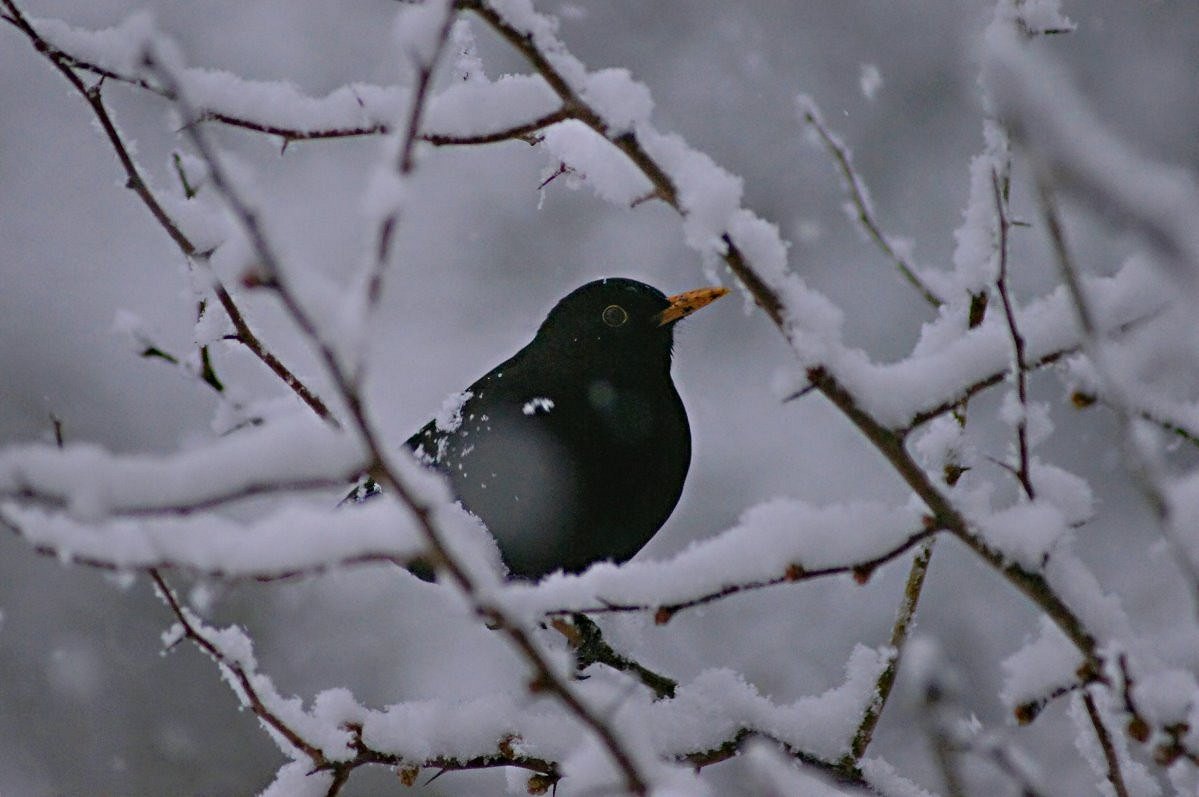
column 89, row 705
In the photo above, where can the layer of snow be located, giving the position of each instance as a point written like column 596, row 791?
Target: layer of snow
column 93, row 483
column 769, row 538
column 288, row 540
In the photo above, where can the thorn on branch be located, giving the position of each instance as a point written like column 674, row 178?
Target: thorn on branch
column 151, row 352
column 649, row 196
column 93, row 91
column 436, row 775
column 561, row 170
column 56, row 424
column 189, row 190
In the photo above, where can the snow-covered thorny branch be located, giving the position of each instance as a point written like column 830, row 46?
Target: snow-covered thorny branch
column 620, row 679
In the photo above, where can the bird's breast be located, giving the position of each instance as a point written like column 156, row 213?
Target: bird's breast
column 565, row 477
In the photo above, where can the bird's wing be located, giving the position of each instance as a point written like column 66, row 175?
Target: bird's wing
column 429, row 442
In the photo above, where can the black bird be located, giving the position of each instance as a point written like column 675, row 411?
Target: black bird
column 575, row 449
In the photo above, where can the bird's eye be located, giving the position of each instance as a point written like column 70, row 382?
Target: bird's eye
column 614, row 315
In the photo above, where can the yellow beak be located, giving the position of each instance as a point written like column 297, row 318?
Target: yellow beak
column 684, row 304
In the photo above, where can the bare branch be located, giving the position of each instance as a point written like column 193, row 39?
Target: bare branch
column 520, row 132
column 1019, row 364
column 1114, row 775
column 546, row 771
column 404, row 161
column 973, row 389
column 238, row 674
column 923, row 417
column 899, row 637
column 859, row 198
column 340, row 770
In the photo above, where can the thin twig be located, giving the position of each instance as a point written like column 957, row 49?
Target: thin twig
column 935, row 710
column 944, row 754
column 859, row 197
column 973, row 389
column 268, row 262
column 164, row 565
column 841, row 772
column 235, row 669
column 519, row 132
column 405, row 161
column 899, row 637
column 1019, row 364
column 1005, row 762
column 969, row 391
column 504, row 756
column 1114, row 775
column 1026, row 712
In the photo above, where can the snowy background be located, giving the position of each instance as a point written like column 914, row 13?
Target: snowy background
column 88, row 704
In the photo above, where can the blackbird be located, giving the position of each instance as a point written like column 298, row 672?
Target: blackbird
column 575, row 449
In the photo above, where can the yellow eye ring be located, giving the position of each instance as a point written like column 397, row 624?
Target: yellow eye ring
column 614, row 315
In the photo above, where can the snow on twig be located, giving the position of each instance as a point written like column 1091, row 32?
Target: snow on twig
column 778, row 542
column 244, row 333
column 467, row 113
column 92, row 483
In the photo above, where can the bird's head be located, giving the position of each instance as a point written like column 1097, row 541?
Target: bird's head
column 619, row 325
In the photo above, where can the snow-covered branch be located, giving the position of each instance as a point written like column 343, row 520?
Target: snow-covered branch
column 542, row 708
column 94, row 484
column 420, row 498
column 244, row 334
column 513, row 107
column 780, row 542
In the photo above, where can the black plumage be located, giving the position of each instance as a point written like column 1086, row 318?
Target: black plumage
column 575, row 449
